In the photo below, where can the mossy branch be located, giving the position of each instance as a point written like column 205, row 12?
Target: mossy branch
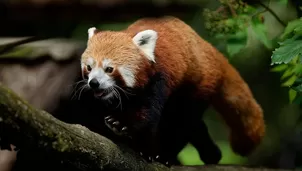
column 30, row 128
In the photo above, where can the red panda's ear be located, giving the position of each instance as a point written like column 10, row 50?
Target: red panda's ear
column 91, row 32
column 146, row 41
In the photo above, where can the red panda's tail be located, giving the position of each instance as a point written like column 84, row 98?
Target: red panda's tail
column 240, row 111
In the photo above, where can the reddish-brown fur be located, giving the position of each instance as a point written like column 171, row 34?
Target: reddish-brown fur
column 186, row 58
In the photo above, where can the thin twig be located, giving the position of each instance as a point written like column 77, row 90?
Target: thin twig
column 234, row 14
column 273, row 13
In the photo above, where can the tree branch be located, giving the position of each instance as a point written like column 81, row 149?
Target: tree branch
column 30, row 128
column 10, row 46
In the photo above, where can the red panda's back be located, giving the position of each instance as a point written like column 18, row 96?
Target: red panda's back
column 180, row 52
column 172, row 47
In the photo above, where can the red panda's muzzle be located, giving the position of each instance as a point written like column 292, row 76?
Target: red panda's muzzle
column 95, row 86
column 98, row 93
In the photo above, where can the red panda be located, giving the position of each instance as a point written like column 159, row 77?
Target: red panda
column 188, row 72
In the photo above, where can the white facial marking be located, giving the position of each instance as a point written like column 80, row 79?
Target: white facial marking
column 82, row 66
column 106, row 63
column 128, row 76
column 146, row 41
column 91, row 32
column 90, row 61
column 104, row 80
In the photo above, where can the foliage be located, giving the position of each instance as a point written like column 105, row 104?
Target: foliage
column 287, row 59
column 231, row 22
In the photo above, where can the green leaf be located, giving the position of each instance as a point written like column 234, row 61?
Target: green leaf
column 261, row 31
column 297, row 82
column 230, row 22
column 290, row 81
column 287, row 51
column 236, row 42
column 294, row 60
column 279, row 68
column 283, row 2
column 292, row 26
column 287, row 73
column 297, row 69
column 297, row 100
column 250, row 9
column 292, row 95
column 298, row 88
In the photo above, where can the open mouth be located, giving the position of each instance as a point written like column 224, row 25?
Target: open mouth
column 103, row 94
column 99, row 93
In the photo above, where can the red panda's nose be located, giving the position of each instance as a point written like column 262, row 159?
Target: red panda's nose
column 94, row 83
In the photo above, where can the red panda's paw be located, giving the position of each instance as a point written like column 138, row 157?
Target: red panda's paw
column 155, row 158
column 116, row 126
column 163, row 160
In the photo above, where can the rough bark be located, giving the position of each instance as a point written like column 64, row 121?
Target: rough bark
column 27, row 127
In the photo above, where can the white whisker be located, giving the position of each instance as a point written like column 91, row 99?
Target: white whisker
column 119, row 97
column 124, row 91
column 75, row 90
column 83, row 88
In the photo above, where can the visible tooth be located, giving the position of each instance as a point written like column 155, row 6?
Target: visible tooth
column 107, row 117
column 157, row 157
column 124, row 128
column 110, row 120
column 116, row 123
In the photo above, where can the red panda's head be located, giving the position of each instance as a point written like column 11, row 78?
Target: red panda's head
column 113, row 60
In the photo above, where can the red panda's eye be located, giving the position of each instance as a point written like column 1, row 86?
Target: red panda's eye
column 108, row 70
column 88, row 68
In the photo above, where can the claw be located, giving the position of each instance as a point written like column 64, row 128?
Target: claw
column 124, row 128
column 141, row 154
column 116, row 123
column 110, row 120
column 107, row 117
column 149, row 158
column 157, row 157
column 167, row 163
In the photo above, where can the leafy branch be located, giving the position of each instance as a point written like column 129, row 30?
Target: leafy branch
column 288, row 59
column 232, row 20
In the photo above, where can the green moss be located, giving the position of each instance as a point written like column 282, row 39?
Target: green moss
column 18, row 52
column 60, row 144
